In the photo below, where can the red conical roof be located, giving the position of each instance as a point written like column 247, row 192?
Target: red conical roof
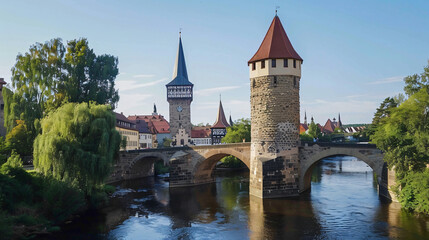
column 276, row 44
column 221, row 121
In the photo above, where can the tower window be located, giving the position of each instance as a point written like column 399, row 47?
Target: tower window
column 275, row 81
column 253, row 83
column 294, row 81
column 273, row 63
column 263, row 64
column 294, row 63
column 285, row 63
column 253, row 66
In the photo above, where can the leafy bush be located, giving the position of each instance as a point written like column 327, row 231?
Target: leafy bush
column 60, row 201
column 14, row 160
column 305, row 137
column 414, row 194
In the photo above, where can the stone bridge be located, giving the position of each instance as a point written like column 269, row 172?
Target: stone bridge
column 194, row 165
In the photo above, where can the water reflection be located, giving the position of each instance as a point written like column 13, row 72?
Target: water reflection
column 343, row 204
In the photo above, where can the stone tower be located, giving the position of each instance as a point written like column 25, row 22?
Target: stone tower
column 2, row 128
column 275, row 73
column 179, row 96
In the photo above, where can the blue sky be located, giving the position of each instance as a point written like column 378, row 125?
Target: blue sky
column 355, row 52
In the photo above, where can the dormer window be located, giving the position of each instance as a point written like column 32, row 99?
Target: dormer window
column 253, row 66
column 285, row 63
column 273, row 63
column 263, row 64
column 294, row 63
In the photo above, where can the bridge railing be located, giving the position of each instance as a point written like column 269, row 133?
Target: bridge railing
column 184, row 148
column 331, row 144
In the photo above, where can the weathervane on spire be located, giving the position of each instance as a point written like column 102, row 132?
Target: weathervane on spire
column 180, row 32
column 277, row 7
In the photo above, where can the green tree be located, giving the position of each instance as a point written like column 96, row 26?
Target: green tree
column 404, row 134
column 49, row 75
column 314, row 130
column 381, row 113
column 78, row 145
column 415, row 82
column 19, row 139
column 241, row 130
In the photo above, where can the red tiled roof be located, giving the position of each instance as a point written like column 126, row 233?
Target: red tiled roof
column 276, row 44
column 156, row 123
column 200, row 132
column 221, row 121
column 329, row 126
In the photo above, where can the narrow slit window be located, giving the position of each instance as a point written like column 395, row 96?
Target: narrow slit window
column 253, row 66
column 294, row 81
column 285, row 62
column 294, row 63
column 263, row 64
column 273, row 63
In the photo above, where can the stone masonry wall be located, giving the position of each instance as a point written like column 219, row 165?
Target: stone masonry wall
column 180, row 119
column 275, row 110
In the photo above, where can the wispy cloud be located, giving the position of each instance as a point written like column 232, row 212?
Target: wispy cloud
column 387, row 80
column 125, row 85
column 210, row 91
column 143, row 76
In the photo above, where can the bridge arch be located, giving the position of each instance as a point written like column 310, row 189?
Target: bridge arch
column 372, row 157
column 143, row 164
column 203, row 170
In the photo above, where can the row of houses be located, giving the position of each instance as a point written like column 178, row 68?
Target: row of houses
column 329, row 126
column 150, row 131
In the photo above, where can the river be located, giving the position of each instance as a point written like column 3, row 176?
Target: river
column 343, row 204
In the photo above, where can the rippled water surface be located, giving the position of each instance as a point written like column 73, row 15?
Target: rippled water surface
column 343, row 204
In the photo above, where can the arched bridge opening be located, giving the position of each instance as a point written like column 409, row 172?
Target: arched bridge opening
column 204, row 170
column 372, row 157
column 143, row 165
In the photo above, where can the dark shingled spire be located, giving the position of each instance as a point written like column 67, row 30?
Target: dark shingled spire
column 221, row 121
column 180, row 75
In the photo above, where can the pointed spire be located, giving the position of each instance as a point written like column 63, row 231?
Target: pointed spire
column 231, row 123
column 154, row 108
column 276, row 44
column 180, row 74
column 312, row 119
column 221, row 121
column 305, row 117
column 340, row 124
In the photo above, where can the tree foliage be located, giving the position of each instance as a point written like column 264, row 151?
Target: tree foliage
column 241, row 130
column 314, row 130
column 51, row 74
column 77, row 145
column 404, row 135
column 19, row 139
column 415, row 82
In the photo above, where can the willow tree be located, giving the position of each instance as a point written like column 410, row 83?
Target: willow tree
column 77, row 145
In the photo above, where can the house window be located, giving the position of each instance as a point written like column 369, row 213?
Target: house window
column 294, row 63
column 285, row 62
column 273, row 63
column 253, row 66
column 263, row 64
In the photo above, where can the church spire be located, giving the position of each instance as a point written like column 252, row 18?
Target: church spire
column 221, row 121
column 305, row 117
column 180, row 74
